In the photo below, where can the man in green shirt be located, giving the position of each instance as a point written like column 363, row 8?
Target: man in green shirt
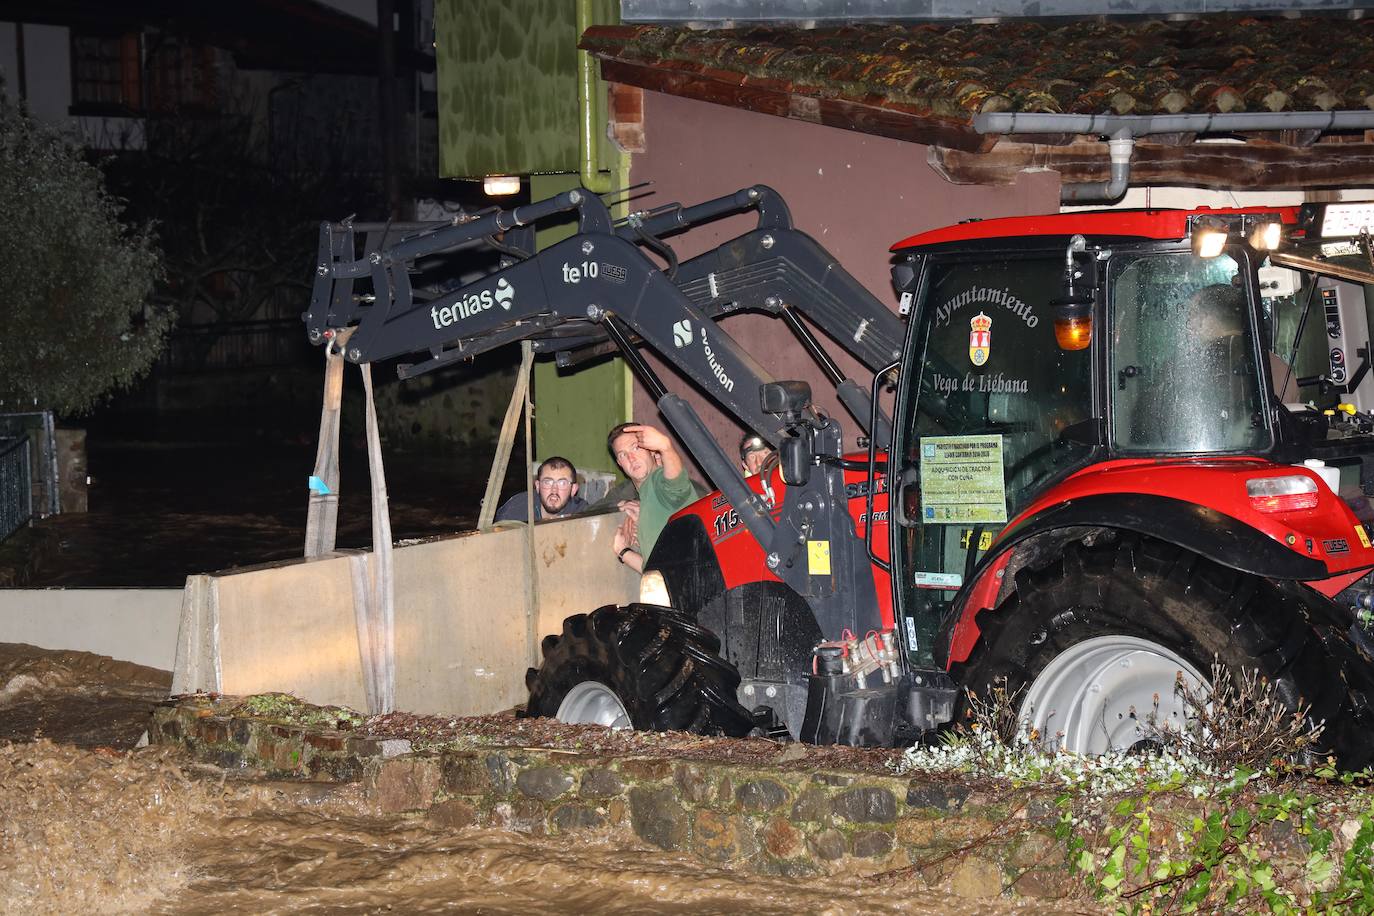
column 648, row 457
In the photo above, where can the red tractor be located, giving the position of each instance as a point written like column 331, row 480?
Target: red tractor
column 1094, row 490
column 1100, row 475
column 1132, row 499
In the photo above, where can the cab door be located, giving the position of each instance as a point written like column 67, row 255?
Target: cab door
column 985, row 399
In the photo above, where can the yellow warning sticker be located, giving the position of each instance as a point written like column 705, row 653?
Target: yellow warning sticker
column 1360, row 533
column 984, row 539
column 818, row 558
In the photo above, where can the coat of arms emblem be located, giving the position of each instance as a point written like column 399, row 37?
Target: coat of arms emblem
column 979, row 339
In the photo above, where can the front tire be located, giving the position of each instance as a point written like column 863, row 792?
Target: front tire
column 1088, row 641
column 642, row 666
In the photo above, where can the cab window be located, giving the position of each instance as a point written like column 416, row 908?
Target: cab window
column 1182, row 369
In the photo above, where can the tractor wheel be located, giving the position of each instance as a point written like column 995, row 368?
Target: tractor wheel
column 639, row 666
column 1091, row 644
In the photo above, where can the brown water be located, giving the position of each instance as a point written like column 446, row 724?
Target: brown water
column 111, row 830
column 76, row 697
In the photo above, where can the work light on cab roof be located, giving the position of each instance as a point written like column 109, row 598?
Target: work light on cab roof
column 1211, row 233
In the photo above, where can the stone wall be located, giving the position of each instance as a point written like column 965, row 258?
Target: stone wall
column 784, row 819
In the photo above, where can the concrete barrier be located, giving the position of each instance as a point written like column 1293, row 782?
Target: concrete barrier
column 133, row 624
column 465, row 629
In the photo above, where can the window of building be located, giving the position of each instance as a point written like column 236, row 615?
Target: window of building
column 107, row 72
column 183, row 77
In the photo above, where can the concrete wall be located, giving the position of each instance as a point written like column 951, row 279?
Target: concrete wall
column 854, row 193
column 134, row 624
column 462, row 625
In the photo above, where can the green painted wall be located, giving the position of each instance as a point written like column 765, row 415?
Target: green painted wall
column 574, row 410
column 507, row 83
column 508, row 105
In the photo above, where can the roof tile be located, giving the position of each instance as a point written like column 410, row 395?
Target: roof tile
column 1214, row 64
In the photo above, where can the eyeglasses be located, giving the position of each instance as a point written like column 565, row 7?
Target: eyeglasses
column 554, row 483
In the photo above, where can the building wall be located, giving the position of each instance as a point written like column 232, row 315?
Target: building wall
column 508, row 89
column 48, row 87
column 573, row 410
column 856, row 194
column 47, row 57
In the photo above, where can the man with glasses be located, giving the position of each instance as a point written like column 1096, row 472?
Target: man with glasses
column 555, row 490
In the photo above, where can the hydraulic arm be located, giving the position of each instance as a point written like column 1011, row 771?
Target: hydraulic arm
column 557, row 298
column 600, row 289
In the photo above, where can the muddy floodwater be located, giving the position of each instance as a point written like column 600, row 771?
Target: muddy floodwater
column 90, row 824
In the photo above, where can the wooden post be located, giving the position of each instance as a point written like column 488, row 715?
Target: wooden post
column 506, row 442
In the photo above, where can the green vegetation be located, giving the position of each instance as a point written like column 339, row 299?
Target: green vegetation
column 1270, row 841
column 1231, row 817
column 288, row 710
column 75, row 280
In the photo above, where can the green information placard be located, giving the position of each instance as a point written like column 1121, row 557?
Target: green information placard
column 962, row 481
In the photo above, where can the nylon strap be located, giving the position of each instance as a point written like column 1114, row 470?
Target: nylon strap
column 322, row 516
column 531, row 548
column 378, row 608
column 374, row 594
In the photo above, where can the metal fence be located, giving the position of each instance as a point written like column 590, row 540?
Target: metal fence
column 16, row 485
column 244, row 344
column 37, row 427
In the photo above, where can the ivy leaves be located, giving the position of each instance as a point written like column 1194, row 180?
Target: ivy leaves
column 1146, row 855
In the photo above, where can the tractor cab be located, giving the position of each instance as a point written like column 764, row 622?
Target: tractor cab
column 1099, row 384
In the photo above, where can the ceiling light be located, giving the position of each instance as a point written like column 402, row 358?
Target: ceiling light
column 501, row 185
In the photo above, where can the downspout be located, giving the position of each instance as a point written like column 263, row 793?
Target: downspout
column 1121, row 145
column 1123, row 129
column 592, row 179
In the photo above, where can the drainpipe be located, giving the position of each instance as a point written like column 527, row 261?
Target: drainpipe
column 1121, row 145
column 1123, row 129
column 592, row 179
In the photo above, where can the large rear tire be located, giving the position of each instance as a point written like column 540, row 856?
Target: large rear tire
column 639, row 665
column 1088, row 640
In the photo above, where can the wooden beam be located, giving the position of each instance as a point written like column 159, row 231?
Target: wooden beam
column 1234, row 167
column 781, row 99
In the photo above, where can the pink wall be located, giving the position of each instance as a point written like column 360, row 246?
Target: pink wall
column 854, row 193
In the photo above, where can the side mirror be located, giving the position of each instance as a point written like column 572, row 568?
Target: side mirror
column 794, row 459
column 786, row 400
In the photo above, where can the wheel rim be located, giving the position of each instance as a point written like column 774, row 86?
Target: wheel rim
column 593, row 703
column 1109, row 693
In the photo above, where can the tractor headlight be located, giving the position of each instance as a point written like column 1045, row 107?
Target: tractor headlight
column 1209, row 236
column 1347, row 220
column 653, row 589
column 1266, row 236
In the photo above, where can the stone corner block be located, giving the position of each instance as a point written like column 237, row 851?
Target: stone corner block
column 406, row 784
column 865, row 805
column 543, row 783
column 659, row 818
column 939, row 796
column 760, row 795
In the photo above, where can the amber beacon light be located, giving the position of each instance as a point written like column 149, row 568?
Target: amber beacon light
column 1073, row 325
